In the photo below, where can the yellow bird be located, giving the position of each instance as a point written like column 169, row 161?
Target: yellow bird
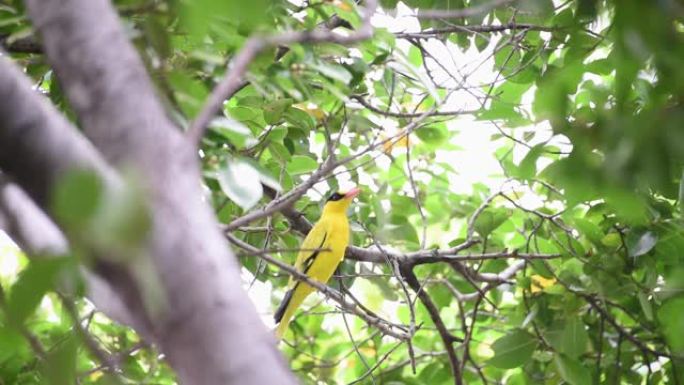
column 321, row 253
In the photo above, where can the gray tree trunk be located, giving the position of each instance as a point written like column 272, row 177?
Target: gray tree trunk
column 210, row 331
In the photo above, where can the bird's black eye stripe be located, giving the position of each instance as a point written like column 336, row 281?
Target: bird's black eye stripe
column 336, row 197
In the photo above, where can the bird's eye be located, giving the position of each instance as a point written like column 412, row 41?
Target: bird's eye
column 335, row 197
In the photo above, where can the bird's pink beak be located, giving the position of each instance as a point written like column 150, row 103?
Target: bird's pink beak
column 352, row 193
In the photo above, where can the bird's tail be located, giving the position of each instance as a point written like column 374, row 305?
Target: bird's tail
column 291, row 302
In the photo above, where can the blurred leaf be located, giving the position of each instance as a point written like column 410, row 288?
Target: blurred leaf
column 275, row 110
column 575, row 338
column 513, row 350
column 646, row 306
column 527, row 168
column 489, row 220
column 60, row 366
column 77, row 197
column 300, row 164
column 233, row 130
column 240, row 182
column 333, row 71
column 571, row 370
column 433, row 135
column 670, row 317
column 34, row 282
column 639, row 245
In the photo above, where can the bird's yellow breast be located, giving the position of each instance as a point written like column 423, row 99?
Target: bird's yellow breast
column 337, row 238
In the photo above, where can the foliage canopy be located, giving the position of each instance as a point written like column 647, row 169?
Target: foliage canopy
column 563, row 267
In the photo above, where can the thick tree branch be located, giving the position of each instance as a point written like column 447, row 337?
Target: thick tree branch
column 37, row 145
column 211, row 334
column 37, row 148
column 37, row 235
column 27, row 225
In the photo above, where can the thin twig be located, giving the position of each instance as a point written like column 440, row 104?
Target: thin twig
column 405, row 115
column 386, row 327
column 473, row 29
column 448, row 339
column 460, row 13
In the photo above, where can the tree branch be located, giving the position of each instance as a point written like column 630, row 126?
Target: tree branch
column 460, row 13
column 27, row 44
column 405, row 115
column 472, row 29
column 37, row 235
column 30, row 125
column 448, row 339
column 372, row 320
column 211, row 334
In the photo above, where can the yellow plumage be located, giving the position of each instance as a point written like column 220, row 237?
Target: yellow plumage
column 321, row 253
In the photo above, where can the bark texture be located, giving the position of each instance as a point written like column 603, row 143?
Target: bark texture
column 210, row 332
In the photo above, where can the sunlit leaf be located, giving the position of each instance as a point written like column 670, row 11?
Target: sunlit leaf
column 241, row 183
column 34, row 282
column 300, row 164
column 641, row 244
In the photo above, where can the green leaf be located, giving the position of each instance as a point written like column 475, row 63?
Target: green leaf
column 244, row 114
column 77, row 197
column 274, row 111
column 612, row 240
column 670, row 317
column 12, row 344
column 680, row 202
column 241, row 182
column 641, row 244
column 33, row 283
column 513, row 350
column 527, row 168
column 414, row 56
column 333, row 71
column 300, row 164
column 646, row 306
column 264, row 175
column 60, row 365
column 489, row 220
column 300, row 119
column 544, row 7
column 233, row 130
column 571, row 370
column 124, row 220
column 590, row 230
column 574, row 337
column 433, row 135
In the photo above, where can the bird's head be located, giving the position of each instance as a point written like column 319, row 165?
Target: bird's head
column 339, row 201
